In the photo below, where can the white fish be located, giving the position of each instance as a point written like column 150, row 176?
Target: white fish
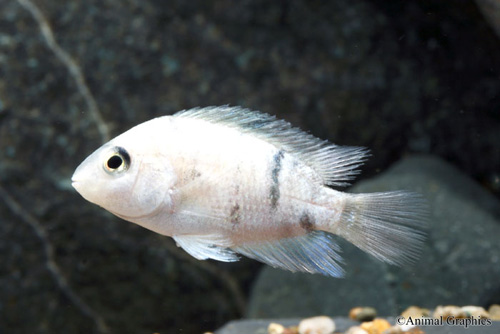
column 226, row 180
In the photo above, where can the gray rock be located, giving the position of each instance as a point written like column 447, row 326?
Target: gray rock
column 459, row 265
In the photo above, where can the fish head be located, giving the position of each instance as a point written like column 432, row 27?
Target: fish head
column 128, row 176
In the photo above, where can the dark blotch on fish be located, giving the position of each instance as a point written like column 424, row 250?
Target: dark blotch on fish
column 274, row 193
column 195, row 174
column 306, row 222
column 234, row 215
column 124, row 154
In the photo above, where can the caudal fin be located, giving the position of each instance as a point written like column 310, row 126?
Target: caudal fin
column 388, row 225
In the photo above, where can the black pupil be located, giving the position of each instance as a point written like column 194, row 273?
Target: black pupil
column 114, row 162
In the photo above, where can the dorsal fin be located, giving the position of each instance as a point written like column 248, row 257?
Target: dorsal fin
column 335, row 164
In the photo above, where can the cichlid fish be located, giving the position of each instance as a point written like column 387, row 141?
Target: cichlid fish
column 226, row 180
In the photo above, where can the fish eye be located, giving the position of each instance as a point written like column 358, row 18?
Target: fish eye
column 119, row 161
column 114, row 162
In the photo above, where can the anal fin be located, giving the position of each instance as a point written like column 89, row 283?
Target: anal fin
column 315, row 252
column 204, row 247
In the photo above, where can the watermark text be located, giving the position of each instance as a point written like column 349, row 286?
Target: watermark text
column 450, row 321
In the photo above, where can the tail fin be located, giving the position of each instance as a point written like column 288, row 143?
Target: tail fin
column 388, row 225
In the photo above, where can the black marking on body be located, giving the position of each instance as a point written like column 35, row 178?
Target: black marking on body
column 124, row 154
column 234, row 215
column 307, row 222
column 194, row 174
column 274, row 192
column 190, row 175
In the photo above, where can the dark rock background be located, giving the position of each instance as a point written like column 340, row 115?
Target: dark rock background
column 398, row 77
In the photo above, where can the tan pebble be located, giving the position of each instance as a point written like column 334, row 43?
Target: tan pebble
column 291, row 330
column 494, row 312
column 317, row 325
column 448, row 311
column 475, row 312
column 362, row 313
column 377, row 326
column 393, row 330
column 353, row 313
column 414, row 330
column 415, row 312
column 275, row 328
column 356, row 330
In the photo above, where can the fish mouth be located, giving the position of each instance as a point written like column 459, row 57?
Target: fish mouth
column 76, row 178
column 75, row 182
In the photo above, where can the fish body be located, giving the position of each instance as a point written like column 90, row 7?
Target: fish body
column 226, row 180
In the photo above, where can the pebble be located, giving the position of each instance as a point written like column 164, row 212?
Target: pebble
column 448, row 311
column 362, row 314
column 414, row 330
column 494, row 312
column 356, row 330
column 475, row 312
column 377, row 326
column 394, row 330
column 317, row 325
column 415, row 312
column 275, row 328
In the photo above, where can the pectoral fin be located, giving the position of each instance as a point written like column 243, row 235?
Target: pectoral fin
column 204, row 247
column 315, row 252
